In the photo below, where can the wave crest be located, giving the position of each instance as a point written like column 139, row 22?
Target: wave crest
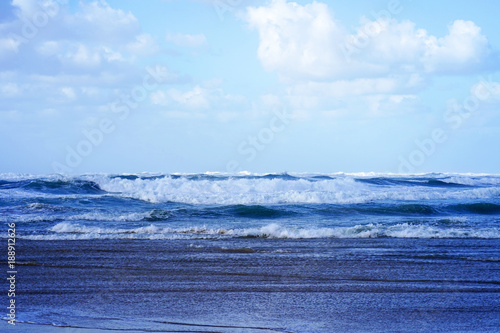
column 279, row 190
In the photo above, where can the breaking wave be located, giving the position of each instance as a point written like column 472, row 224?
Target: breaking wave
column 248, row 189
column 290, row 190
column 66, row 230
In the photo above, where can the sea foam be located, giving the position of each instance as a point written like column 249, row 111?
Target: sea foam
column 232, row 191
column 67, row 230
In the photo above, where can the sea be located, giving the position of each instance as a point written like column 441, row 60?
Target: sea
column 246, row 252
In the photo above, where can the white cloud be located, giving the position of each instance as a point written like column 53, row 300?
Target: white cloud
column 27, row 8
column 378, row 68
column 463, row 47
column 144, row 44
column 95, row 36
column 110, row 55
column 186, row 40
column 83, row 56
column 387, row 43
column 306, row 43
column 72, row 55
column 98, row 21
column 297, row 40
column 198, row 98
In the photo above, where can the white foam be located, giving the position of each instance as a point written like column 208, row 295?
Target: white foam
column 473, row 180
column 66, row 230
column 403, row 230
column 231, row 191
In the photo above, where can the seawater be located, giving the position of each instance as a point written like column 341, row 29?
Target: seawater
column 256, row 252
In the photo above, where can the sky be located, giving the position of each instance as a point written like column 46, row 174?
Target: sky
column 120, row 86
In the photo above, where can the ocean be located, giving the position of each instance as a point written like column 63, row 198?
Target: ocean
column 246, row 252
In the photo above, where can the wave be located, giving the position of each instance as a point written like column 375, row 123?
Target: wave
column 484, row 180
column 56, row 186
column 277, row 190
column 477, row 208
column 151, row 215
column 66, row 230
column 250, row 189
column 123, row 211
column 412, row 182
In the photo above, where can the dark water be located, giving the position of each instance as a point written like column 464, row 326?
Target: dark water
column 255, row 253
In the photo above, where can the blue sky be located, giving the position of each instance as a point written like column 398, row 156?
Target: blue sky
column 263, row 86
